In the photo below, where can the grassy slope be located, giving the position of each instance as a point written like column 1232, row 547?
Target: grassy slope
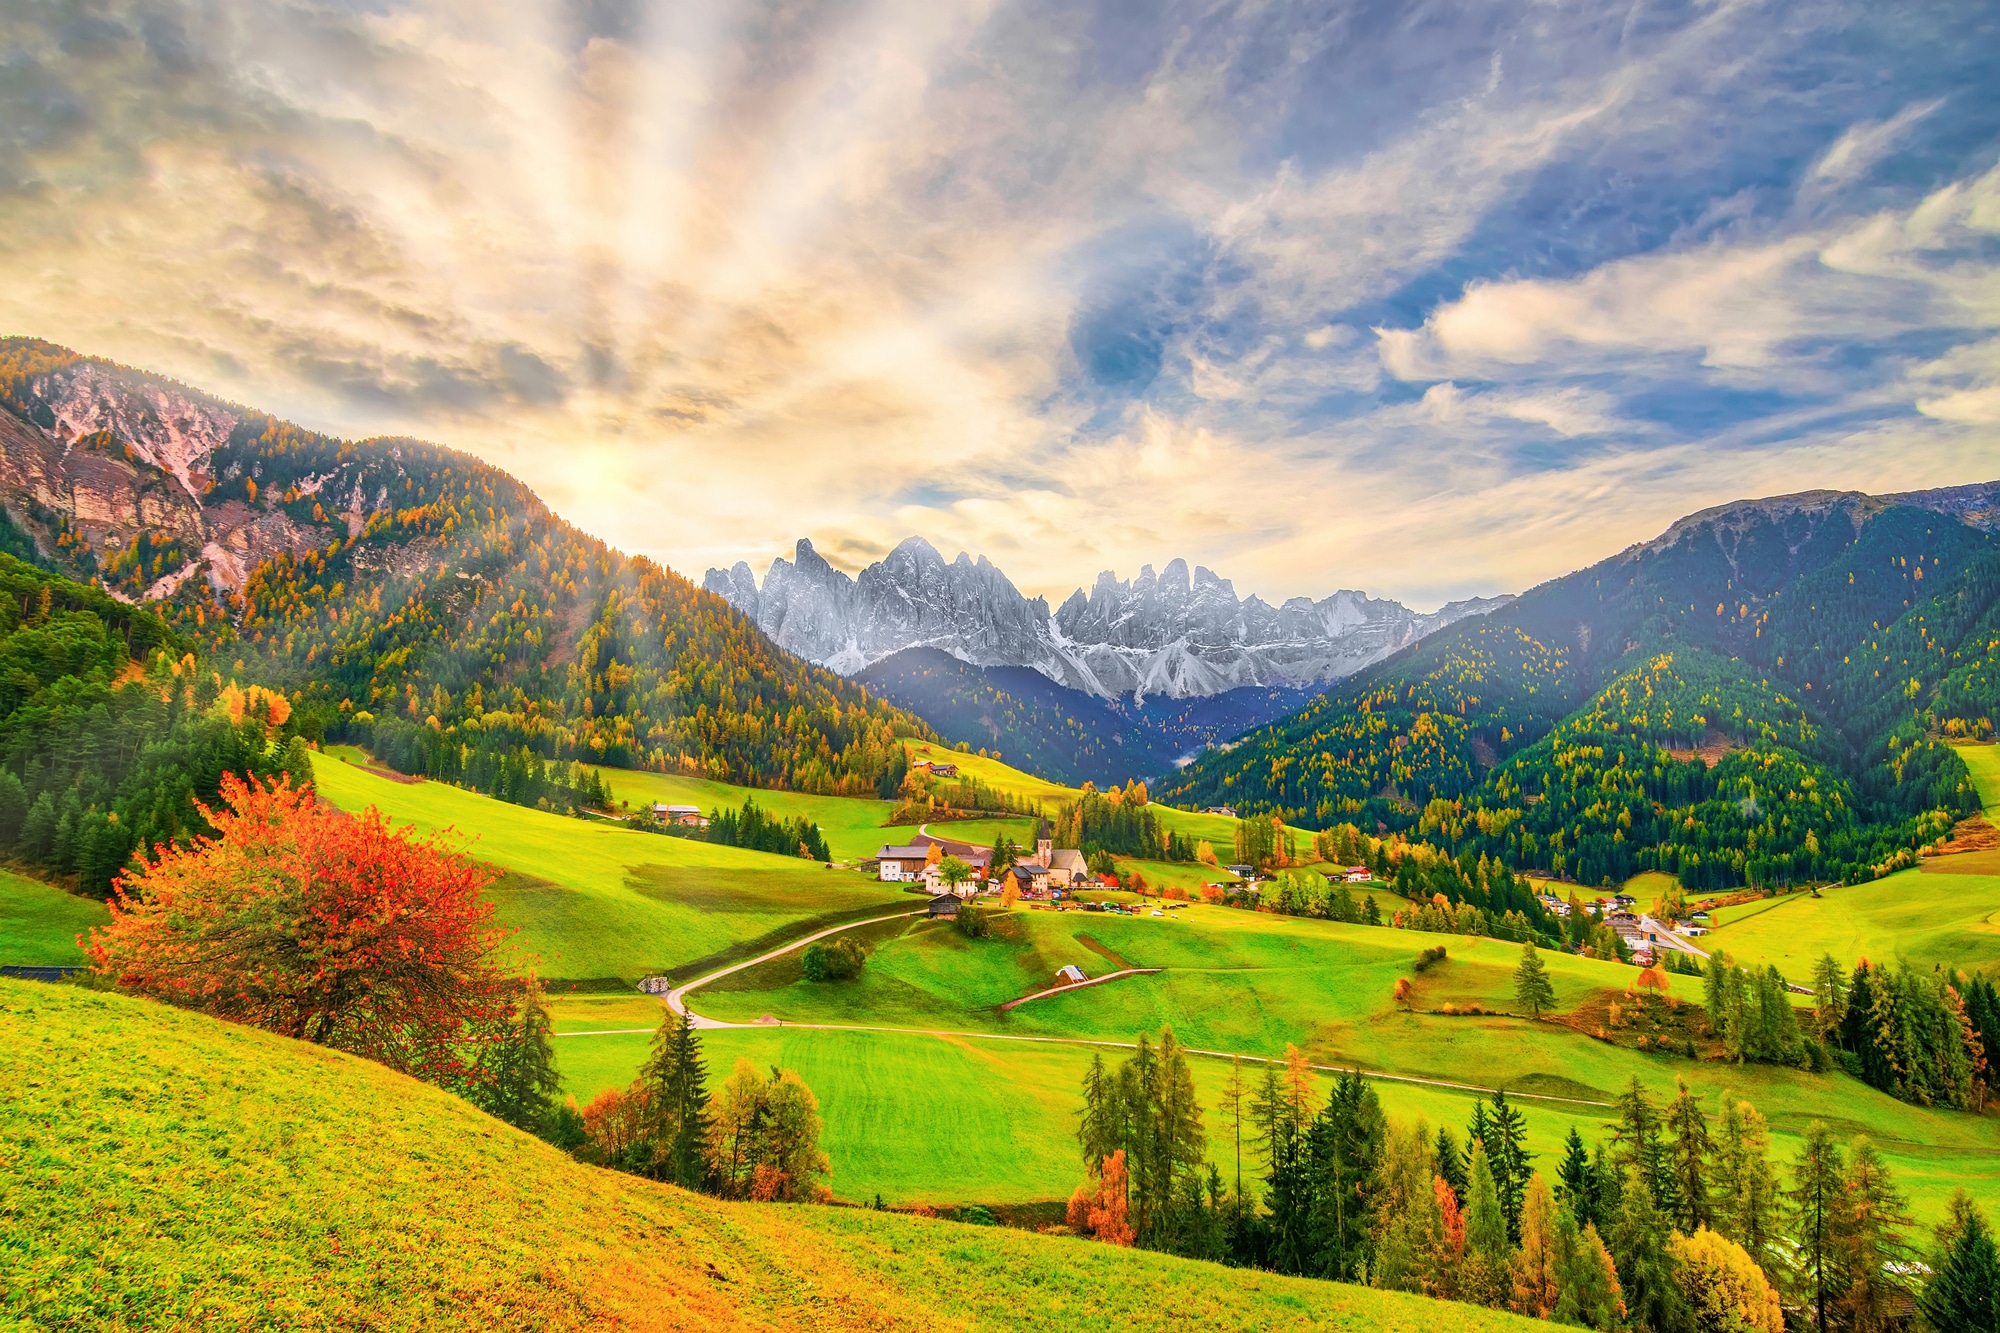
column 166, row 1170
column 1235, row 981
column 1218, row 829
column 1983, row 761
column 855, row 828
column 1942, row 912
column 39, row 923
column 594, row 900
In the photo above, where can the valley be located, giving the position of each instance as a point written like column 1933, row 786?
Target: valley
column 1623, row 847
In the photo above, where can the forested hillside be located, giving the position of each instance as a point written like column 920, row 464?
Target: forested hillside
column 1061, row 734
column 409, row 596
column 110, row 735
column 1763, row 694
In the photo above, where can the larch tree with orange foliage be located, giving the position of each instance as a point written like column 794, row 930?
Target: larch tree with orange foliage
column 1101, row 1212
column 305, row 921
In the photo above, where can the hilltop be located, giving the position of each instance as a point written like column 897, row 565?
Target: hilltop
column 179, row 1170
column 408, row 596
column 1774, row 668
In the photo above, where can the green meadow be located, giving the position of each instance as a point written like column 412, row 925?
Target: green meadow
column 593, row 899
column 39, row 924
column 1941, row 912
column 1233, row 982
column 1983, row 762
column 219, row 1177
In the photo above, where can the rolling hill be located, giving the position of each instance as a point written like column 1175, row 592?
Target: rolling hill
column 408, row 596
column 167, row 1170
column 1797, row 661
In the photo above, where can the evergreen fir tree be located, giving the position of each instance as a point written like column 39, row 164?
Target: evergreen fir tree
column 1509, row 1155
column 519, row 1083
column 1687, row 1160
column 1451, row 1163
column 678, row 1076
column 1573, row 1183
column 1486, row 1247
column 1533, row 990
column 1638, row 1137
column 1829, row 998
column 1095, row 1133
column 1653, row 1301
column 1963, row 1291
column 1818, row 1181
column 1343, row 1149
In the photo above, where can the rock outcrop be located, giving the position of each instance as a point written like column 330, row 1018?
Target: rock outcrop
column 1177, row 633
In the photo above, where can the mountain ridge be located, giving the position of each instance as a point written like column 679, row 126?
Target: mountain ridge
column 1178, row 633
column 409, row 596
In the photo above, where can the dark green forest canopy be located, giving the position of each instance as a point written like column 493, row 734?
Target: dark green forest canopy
column 111, row 738
column 1764, row 695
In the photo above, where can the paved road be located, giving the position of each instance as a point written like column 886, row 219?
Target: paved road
column 677, row 1001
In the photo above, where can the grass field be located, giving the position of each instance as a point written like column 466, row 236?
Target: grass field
column 592, row 899
column 1234, row 981
column 1219, row 830
column 1983, row 762
column 181, row 1172
column 39, row 923
column 853, row 827
column 1942, row 912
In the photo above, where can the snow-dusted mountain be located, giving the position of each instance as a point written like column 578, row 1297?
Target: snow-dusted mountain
column 1170, row 633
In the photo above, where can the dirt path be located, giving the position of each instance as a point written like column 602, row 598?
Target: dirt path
column 677, row 1001
column 1079, row 985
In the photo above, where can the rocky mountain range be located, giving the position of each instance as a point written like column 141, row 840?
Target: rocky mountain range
column 1174, row 633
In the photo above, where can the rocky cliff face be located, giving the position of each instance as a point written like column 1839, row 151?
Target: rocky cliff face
column 145, row 486
column 1174, row 633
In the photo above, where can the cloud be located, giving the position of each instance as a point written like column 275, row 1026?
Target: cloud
column 1075, row 286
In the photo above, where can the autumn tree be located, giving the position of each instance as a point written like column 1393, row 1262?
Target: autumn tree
column 763, row 1138
column 1725, row 1289
column 308, row 922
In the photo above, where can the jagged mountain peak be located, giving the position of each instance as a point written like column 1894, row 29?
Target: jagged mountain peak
column 1175, row 631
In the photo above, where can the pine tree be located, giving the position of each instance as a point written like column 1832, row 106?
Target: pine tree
column 1687, row 1160
column 1745, row 1194
column 1532, row 989
column 1591, row 1295
column 519, row 1083
column 677, row 1076
column 1343, row 1149
column 1486, row 1248
column 1637, row 1137
column 1964, row 1287
column 1874, row 1252
column 1095, row 1132
column 1829, row 998
column 1573, row 1184
column 1653, row 1299
column 1818, row 1181
column 1451, row 1163
column 1509, row 1155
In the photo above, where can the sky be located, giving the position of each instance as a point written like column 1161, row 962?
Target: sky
column 1430, row 299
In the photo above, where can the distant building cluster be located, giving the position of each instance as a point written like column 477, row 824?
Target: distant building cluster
column 1050, row 872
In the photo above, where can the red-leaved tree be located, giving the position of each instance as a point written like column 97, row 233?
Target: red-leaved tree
column 305, row 921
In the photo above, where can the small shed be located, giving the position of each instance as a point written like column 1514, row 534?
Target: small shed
column 1070, row 975
column 944, row 905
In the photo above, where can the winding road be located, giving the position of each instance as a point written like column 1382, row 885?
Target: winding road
column 677, row 1001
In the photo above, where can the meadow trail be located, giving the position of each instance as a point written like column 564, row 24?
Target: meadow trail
column 677, row 1001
